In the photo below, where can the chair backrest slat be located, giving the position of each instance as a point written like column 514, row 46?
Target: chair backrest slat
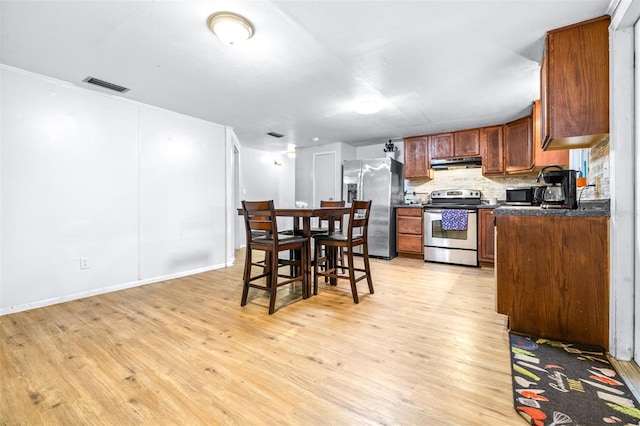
column 260, row 216
column 359, row 218
column 332, row 203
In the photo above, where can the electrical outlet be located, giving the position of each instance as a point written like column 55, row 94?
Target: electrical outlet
column 84, row 263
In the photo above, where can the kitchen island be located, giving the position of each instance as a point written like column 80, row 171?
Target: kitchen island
column 552, row 271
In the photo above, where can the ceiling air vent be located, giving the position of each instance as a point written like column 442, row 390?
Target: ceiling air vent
column 275, row 135
column 105, row 84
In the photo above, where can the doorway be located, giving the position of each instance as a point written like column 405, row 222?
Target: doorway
column 324, row 177
column 238, row 228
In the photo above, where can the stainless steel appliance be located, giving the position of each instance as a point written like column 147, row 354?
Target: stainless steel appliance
column 524, row 195
column 456, row 163
column 451, row 246
column 381, row 181
column 561, row 190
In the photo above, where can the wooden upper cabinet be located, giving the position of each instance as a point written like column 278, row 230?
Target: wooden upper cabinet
column 441, row 145
column 575, row 85
column 518, row 146
column 492, row 150
column 466, row 143
column 545, row 158
column 416, row 158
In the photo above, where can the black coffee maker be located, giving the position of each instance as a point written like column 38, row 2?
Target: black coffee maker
column 560, row 192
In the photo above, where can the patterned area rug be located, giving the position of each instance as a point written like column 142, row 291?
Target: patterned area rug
column 557, row 383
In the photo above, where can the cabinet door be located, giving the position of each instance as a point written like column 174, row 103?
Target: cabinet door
column 409, row 225
column 441, row 145
column 577, row 84
column 545, row 158
column 544, row 106
column 409, row 229
column 486, row 231
column 466, row 143
column 412, row 244
column 492, row 150
column 552, row 276
column 416, row 157
column 518, row 146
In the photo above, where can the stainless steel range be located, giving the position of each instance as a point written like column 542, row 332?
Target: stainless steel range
column 454, row 238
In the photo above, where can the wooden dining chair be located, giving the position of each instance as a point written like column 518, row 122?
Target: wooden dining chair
column 323, row 224
column 355, row 236
column 323, row 227
column 262, row 234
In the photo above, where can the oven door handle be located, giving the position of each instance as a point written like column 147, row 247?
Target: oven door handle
column 440, row 210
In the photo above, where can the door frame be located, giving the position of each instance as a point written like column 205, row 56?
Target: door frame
column 315, row 202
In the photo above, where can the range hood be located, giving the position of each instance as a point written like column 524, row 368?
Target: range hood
column 456, row 163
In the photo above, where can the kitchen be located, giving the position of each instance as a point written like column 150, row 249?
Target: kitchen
column 160, row 259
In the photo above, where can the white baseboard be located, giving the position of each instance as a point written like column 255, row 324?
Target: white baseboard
column 103, row 290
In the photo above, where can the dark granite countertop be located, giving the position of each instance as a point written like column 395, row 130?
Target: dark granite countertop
column 591, row 208
column 407, row 205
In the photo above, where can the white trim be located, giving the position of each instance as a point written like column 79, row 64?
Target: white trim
column 624, row 13
column 623, row 189
column 103, row 290
column 230, row 218
column 313, row 176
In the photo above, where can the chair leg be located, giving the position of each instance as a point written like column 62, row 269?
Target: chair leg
column 274, row 281
column 247, row 276
column 315, row 268
column 304, row 261
column 352, row 277
column 365, row 256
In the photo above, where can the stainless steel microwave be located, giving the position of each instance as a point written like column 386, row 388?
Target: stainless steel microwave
column 522, row 196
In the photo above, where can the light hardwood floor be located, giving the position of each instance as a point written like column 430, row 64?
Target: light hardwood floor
column 426, row 349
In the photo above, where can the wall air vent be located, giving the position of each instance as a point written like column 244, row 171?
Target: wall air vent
column 105, row 84
column 275, row 135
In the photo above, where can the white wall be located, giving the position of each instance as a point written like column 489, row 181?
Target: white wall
column 137, row 190
column 377, row 151
column 182, row 194
column 267, row 176
column 304, row 168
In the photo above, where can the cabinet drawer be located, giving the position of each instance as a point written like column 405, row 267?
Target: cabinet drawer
column 410, row 225
column 410, row 243
column 409, row 211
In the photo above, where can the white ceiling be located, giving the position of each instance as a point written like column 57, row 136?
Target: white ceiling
column 436, row 65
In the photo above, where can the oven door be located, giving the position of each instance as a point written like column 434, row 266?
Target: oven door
column 435, row 236
column 455, row 247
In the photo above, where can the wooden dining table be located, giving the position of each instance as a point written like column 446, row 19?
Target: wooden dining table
column 302, row 224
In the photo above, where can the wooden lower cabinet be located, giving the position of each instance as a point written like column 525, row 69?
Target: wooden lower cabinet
column 553, row 276
column 410, row 232
column 486, row 240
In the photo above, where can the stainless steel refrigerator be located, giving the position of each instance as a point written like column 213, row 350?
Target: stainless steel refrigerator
column 380, row 180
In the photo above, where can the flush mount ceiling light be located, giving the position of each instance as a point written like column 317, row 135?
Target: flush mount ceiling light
column 368, row 107
column 230, row 27
column 291, row 150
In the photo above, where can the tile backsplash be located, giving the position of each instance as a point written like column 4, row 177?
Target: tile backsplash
column 598, row 172
column 494, row 187
column 467, row 179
